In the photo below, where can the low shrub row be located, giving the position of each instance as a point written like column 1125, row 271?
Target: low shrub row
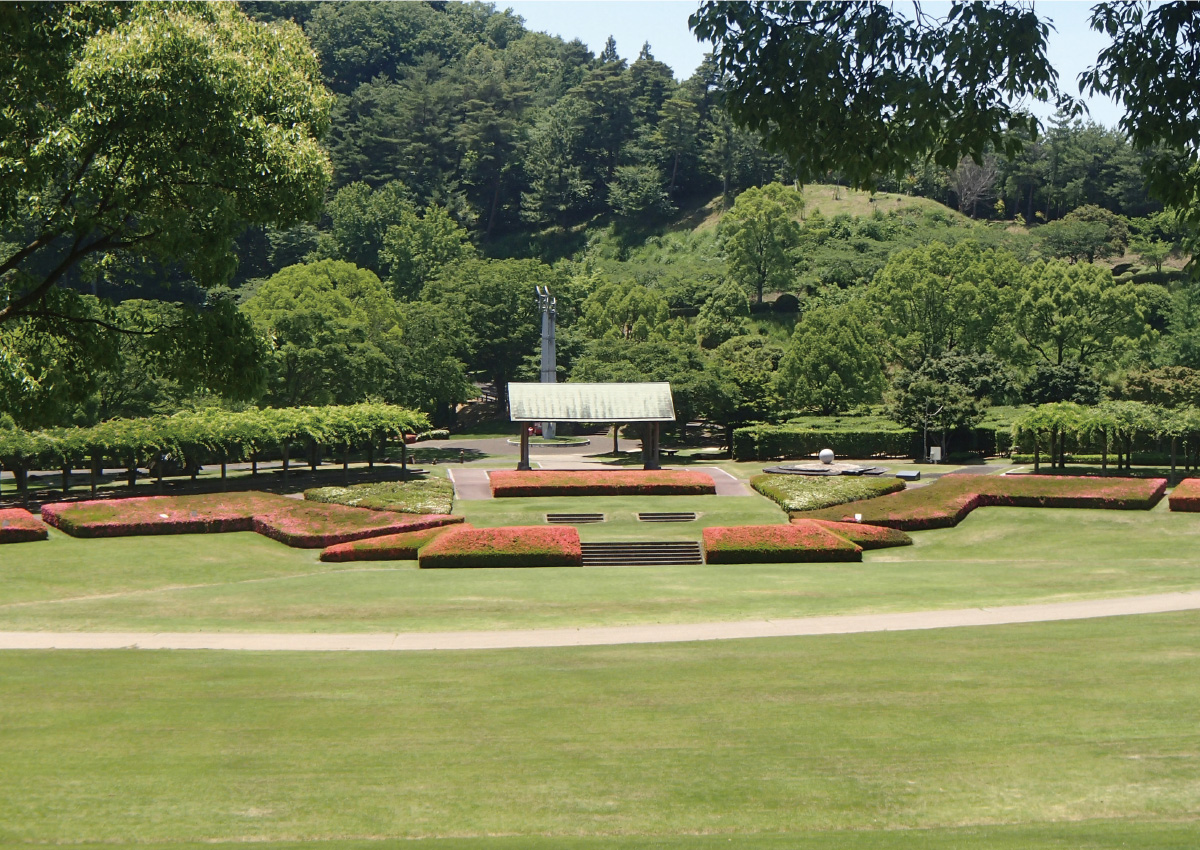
column 639, row 482
column 20, row 526
column 417, row 496
column 801, row 542
column 866, row 536
column 770, row 442
column 512, row 546
column 390, row 547
column 808, row 493
column 298, row 524
column 945, row 502
column 1186, row 496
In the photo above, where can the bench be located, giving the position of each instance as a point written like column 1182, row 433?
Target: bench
column 668, row 452
column 909, row 475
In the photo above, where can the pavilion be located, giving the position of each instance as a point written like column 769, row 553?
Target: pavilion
column 617, row 403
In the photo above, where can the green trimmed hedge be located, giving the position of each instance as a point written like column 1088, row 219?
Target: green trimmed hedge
column 809, row 493
column 418, row 496
column 771, row 442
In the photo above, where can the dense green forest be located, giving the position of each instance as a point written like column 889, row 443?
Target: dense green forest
column 473, row 160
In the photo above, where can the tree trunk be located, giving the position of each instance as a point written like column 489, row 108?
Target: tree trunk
column 131, row 475
column 312, row 455
column 1171, row 480
column 371, row 454
column 283, row 450
column 223, row 469
column 21, row 475
column 1037, row 452
column 346, row 464
column 97, row 469
column 66, row 479
column 1104, row 453
column 616, row 430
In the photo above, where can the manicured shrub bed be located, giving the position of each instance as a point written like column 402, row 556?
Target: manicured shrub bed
column 945, row 502
column 511, row 546
column 389, row 547
column 20, row 526
column 800, row 542
column 810, row 493
column 428, row 496
column 295, row 523
column 1185, row 496
column 304, row 525
column 866, row 536
column 631, row 482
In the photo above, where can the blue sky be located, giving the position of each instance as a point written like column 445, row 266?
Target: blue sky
column 663, row 23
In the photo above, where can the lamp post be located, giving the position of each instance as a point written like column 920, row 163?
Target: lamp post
column 546, row 304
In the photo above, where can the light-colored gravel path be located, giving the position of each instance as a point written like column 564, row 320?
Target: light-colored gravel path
column 727, row 484
column 611, row 635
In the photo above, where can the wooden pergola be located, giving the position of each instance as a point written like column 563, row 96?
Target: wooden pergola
column 617, row 403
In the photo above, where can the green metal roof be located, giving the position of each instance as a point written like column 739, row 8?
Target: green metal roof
column 591, row 403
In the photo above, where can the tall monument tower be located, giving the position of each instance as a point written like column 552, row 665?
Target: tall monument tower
column 549, row 366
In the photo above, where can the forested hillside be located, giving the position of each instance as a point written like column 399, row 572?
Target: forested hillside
column 472, row 160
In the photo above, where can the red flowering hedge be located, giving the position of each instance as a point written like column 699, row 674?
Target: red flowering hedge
column 800, row 542
column 511, row 546
column 866, row 536
column 945, row 502
column 390, row 547
column 1185, row 496
column 629, row 482
column 20, row 526
column 304, row 525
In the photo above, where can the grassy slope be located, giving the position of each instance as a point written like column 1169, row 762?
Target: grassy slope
column 1024, row 736
column 244, row 582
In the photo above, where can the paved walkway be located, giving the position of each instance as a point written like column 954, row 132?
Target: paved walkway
column 611, row 635
column 469, row 483
column 727, row 483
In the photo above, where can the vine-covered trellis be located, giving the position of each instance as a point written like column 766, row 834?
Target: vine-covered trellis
column 186, row 439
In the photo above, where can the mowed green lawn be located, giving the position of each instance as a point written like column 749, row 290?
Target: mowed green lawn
column 244, row 582
column 1067, row 735
column 620, row 512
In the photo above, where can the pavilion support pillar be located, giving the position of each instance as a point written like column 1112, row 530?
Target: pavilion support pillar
column 524, row 463
column 650, row 447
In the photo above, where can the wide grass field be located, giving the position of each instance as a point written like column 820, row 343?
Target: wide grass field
column 244, row 582
column 1079, row 734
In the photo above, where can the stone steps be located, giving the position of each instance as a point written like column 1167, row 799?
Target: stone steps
column 682, row 552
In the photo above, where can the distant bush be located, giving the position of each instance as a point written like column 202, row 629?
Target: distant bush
column 602, row 483
column 294, row 523
column 390, row 547
column 20, row 526
column 1186, row 496
column 866, row 536
column 512, row 546
column 800, row 542
column 808, row 493
column 947, row 501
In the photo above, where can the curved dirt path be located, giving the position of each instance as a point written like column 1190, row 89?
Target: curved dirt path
column 611, row 635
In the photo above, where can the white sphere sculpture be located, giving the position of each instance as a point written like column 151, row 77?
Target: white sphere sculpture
column 826, row 456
